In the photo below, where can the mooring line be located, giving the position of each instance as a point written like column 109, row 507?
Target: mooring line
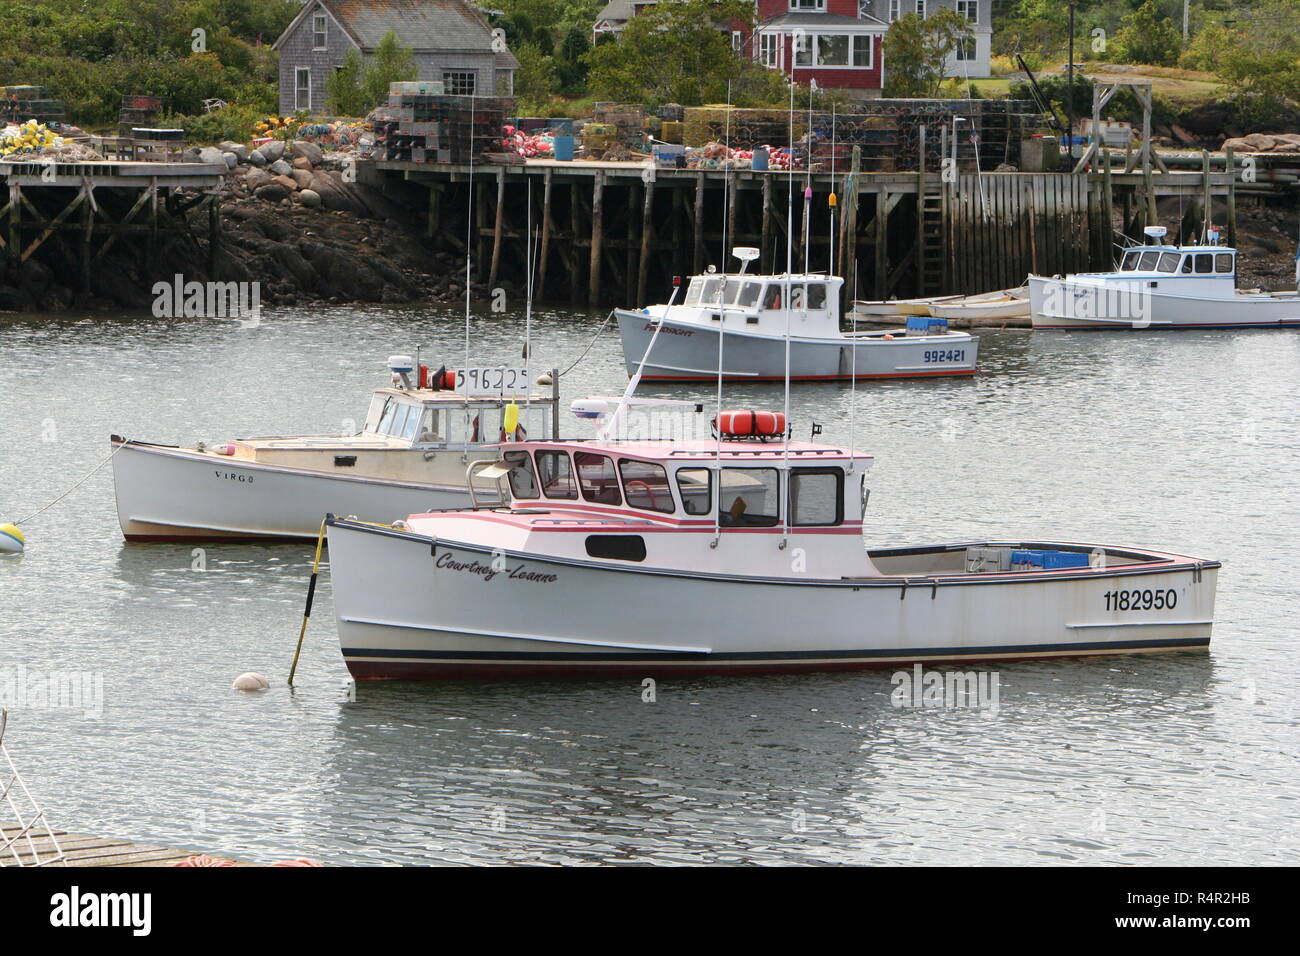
column 79, row 483
column 311, row 593
column 589, row 344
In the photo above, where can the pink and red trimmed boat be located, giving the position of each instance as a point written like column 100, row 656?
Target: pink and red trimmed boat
column 744, row 555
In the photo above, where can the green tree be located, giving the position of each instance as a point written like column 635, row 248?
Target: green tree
column 390, row 63
column 916, row 52
column 1148, row 36
column 343, row 93
column 676, row 53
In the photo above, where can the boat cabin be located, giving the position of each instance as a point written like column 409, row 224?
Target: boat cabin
column 696, row 504
column 760, row 304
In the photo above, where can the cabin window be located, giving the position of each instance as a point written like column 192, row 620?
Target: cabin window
column 1131, row 260
column 749, row 294
column 695, row 485
column 397, row 424
column 1223, row 262
column 523, row 483
column 620, row 547
column 1148, row 262
column 816, row 497
column 750, row 498
column 386, row 419
column 645, row 485
column 597, row 479
column 1204, row 263
column 1168, row 262
column 773, row 298
column 411, row 427
column 556, row 474
column 1187, row 265
column 731, row 292
column 428, row 426
column 702, row 291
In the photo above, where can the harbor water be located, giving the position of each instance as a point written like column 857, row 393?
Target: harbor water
column 1181, row 441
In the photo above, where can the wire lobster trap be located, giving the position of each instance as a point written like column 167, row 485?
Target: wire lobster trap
column 25, row 836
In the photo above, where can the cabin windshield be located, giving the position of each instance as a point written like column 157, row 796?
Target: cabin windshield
column 703, row 290
column 645, row 485
column 1131, row 260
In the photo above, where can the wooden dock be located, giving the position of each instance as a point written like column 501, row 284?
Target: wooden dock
column 90, row 207
column 617, row 232
column 80, row 850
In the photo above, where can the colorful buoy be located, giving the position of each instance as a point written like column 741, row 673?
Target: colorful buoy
column 11, row 539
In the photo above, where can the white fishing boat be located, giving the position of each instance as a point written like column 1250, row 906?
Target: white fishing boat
column 1160, row 286
column 740, row 555
column 761, row 318
column 420, row 434
column 1004, row 305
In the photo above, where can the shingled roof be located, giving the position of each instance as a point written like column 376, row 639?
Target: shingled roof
column 426, row 26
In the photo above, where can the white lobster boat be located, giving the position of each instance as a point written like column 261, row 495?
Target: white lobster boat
column 743, row 555
column 1159, row 286
column 760, row 318
column 412, row 454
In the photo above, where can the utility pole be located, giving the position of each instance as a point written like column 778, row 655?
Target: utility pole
column 1187, row 12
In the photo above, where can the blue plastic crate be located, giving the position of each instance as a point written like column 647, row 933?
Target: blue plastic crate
column 926, row 323
column 1050, row 560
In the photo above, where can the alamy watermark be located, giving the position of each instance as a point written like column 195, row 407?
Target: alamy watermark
column 239, row 301
column 970, row 689
column 1128, row 302
column 24, row 689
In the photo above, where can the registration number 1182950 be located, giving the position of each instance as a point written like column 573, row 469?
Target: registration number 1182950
column 1144, row 600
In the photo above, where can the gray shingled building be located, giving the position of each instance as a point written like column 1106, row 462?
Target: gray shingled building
column 451, row 40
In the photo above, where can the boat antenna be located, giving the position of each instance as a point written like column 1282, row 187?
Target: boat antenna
column 528, row 295
column 469, row 228
column 789, row 269
column 830, row 200
column 722, row 324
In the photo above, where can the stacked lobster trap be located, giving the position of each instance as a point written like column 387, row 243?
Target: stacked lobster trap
column 430, row 127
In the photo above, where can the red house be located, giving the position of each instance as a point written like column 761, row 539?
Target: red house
column 835, row 43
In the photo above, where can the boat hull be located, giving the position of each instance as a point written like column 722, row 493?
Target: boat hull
column 1081, row 304
column 170, row 494
column 412, row 608
column 686, row 352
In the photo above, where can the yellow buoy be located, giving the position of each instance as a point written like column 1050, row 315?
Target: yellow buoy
column 511, row 420
column 11, row 540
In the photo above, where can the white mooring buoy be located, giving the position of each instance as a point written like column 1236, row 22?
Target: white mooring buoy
column 250, row 681
column 11, row 539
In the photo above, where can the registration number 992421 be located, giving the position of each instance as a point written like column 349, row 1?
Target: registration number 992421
column 945, row 355
column 1145, row 600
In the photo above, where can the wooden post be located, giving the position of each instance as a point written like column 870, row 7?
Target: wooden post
column 647, row 229
column 920, row 212
column 214, row 234
column 731, row 222
column 545, row 253
column 480, row 224
column 850, row 246
column 597, row 236
column 630, row 245
column 699, row 223
column 1208, row 201
column 1231, row 166
column 1108, row 206
column 15, row 229
column 88, row 232
column 575, row 231
column 765, row 238
column 881, row 231
column 497, row 227
column 431, row 226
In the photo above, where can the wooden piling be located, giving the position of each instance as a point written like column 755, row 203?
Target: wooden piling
column 765, row 237
column 698, row 224
column 647, row 230
column 597, row 236
column 544, row 255
column 1231, row 166
column 497, row 227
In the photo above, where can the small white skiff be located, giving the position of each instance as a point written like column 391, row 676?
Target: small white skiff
column 411, row 455
column 1004, row 305
column 744, row 555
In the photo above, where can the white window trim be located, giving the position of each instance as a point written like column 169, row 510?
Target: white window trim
column 298, row 71
column 324, row 31
column 921, row 10
column 974, row 4
column 895, row 11
column 469, row 72
column 796, row 7
column 870, row 39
